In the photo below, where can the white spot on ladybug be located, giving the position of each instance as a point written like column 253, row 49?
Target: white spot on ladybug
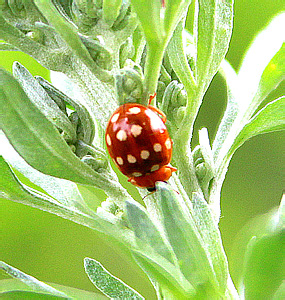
column 168, row 144
column 157, row 147
column 115, row 117
column 136, row 130
column 131, row 159
column 119, row 160
column 134, row 110
column 137, row 174
column 108, row 139
column 154, row 168
column 121, row 135
column 145, row 154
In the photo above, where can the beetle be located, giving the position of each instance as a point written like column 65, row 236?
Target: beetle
column 139, row 144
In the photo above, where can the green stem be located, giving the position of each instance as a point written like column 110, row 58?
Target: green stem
column 153, row 63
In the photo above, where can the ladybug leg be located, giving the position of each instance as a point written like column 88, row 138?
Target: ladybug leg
column 151, row 97
column 159, row 112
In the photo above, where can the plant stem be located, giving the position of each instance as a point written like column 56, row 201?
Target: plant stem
column 153, row 63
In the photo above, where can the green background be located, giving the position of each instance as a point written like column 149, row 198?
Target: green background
column 52, row 249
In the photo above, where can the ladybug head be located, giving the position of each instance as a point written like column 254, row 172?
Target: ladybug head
column 148, row 180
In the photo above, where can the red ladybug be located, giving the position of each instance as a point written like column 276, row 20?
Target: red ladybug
column 139, row 144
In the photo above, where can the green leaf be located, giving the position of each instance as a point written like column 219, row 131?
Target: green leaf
column 178, row 60
column 68, row 33
column 272, row 75
column 66, row 192
column 111, row 10
column 88, row 127
column 14, row 295
column 264, row 263
column 30, row 281
column 15, row 289
column 13, row 189
column 210, row 238
column 212, row 32
column 148, row 13
column 263, row 65
column 187, row 243
column 43, row 101
column 41, row 141
column 270, row 118
column 145, row 230
column 231, row 112
column 165, row 273
column 107, row 283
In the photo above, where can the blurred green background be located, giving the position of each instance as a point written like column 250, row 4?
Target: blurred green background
column 52, row 249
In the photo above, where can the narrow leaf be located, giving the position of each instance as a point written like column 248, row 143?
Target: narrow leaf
column 111, row 10
column 210, row 237
column 148, row 13
column 68, row 33
column 160, row 270
column 43, row 101
column 257, row 61
column 15, row 289
column 13, row 189
column 178, row 59
column 272, row 75
column 187, row 242
column 146, row 231
column 66, row 192
column 232, row 109
column 270, row 118
column 212, row 32
column 107, row 283
column 38, row 141
column 32, row 282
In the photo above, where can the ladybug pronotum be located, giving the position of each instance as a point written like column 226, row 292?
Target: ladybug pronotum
column 139, row 144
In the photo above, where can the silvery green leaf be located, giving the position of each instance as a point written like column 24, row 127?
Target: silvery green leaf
column 41, row 144
column 187, row 243
column 165, row 273
column 145, row 230
column 107, row 283
column 65, row 192
column 32, row 282
column 43, row 101
column 212, row 32
column 270, row 118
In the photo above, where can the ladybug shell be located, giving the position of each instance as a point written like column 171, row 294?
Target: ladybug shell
column 138, row 142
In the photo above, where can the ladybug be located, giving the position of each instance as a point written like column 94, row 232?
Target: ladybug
column 139, row 144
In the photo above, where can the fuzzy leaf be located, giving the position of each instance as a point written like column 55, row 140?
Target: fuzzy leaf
column 13, row 189
column 210, row 237
column 14, row 288
column 270, row 118
column 148, row 13
column 187, row 243
column 68, row 33
column 212, row 32
column 42, row 101
column 32, row 282
column 66, row 192
column 146, row 231
column 41, row 141
column 232, row 109
column 107, row 283
column 161, row 270
column 111, row 10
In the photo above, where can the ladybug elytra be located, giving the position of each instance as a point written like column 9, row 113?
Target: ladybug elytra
column 139, row 144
